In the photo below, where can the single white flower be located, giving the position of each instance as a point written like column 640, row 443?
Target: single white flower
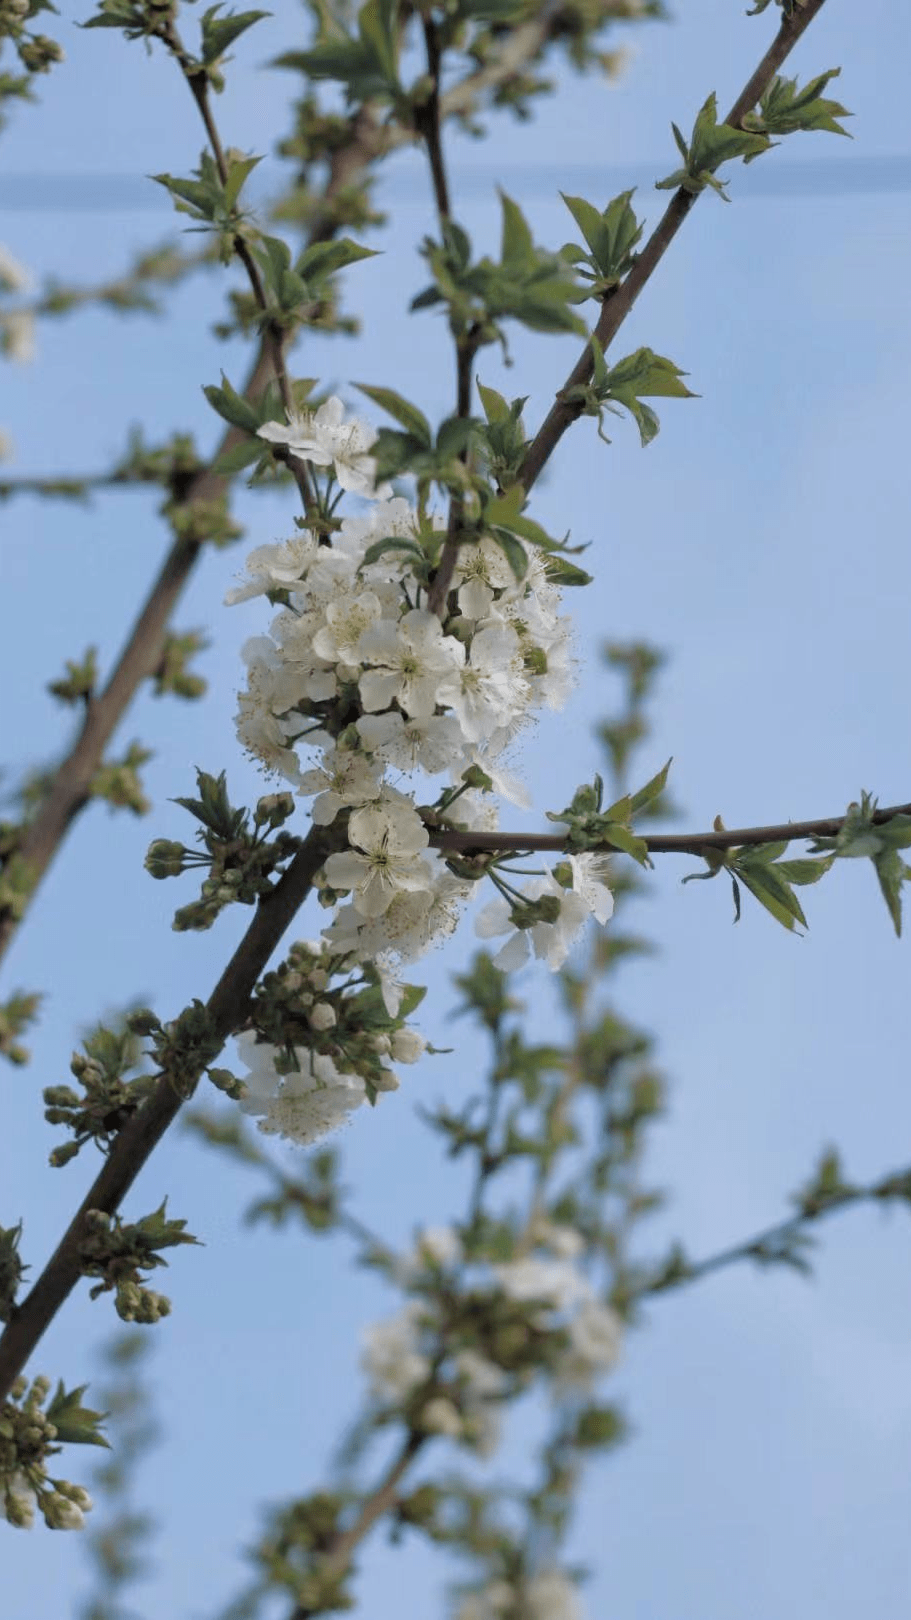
column 384, row 861
column 346, row 620
column 430, row 741
column 13, row 276
column 595, row 1343
column 407, row 1045
column 303, row 1106
column 344, row 778
column 554, row 1284
column 17, row 335
column 407, row 660
column 263, row 736
column 551, row 1595
column 481, row 570
column 590, row 873
column 550, row 940
column 279, row 567
column 324, row 438
column 491, row 689
column 440, row 1415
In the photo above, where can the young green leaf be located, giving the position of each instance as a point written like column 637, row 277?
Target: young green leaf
column 412, row 420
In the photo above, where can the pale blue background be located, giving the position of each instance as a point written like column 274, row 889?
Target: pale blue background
column 763, row 541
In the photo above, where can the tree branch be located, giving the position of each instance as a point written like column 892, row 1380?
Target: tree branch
column 144, row 1130
column 620, row 300
column 473, row 843
column 379, row 1502
column 776, row 1244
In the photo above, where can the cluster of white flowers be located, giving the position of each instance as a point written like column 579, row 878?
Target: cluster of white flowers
column 305, row 1105
column 358, row 670
column 549, row 1595
column 359, row 693
column 398, row 1357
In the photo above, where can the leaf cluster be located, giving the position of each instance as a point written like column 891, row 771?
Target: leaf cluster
column 526, row 283
column 710, row 145
column 611, row 238
column 863, row 833
column 627, row 385
column 242, row 853
column 771, row 880
column 590, row 827
column 786, row 108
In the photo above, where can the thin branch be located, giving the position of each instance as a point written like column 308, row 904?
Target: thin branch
column 473, row 843
column 776, row 1244
column 378, row 1503
column 428, row 122
column 144, row 1130
column 428, row 119
column 618, row 303
column 199, row 89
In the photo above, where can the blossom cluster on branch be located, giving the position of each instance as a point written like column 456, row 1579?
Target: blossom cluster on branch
column 359, row 693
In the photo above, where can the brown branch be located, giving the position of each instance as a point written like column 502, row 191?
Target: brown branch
column 618, row 303
column 144, row 1131
column 474, row 843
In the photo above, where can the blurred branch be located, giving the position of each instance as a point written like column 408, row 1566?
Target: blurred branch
column 786, row 1242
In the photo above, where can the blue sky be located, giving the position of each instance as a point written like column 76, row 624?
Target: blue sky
column 762, row 540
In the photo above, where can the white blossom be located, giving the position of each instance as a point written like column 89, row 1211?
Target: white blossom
column 325, row 439
column 489, row 690
column 303, row 1106
column 344, row 778
column 392, row 1358
column 595, row 1342
column 385, row 859
column 408, row 661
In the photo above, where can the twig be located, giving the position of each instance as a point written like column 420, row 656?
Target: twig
column 380, row 1500
column 144, row 1130
column 775, row 1244
column 618, row 303
column 658, row 843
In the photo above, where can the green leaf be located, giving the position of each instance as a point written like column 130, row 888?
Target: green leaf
column 495, row 406
column 611, row 236
column 623, row 838
column 238, row 171
column 238, row 457
column 891, row 873
column 323, row 259
column 517, row 248
column 75, row 1424
column 218, row 33
column 232, row 406
column 652, row 790
column 413, row 420
column 786, row 108
column 512, row 549
column 710, row 145
column 771, row 890
column 565, row 573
